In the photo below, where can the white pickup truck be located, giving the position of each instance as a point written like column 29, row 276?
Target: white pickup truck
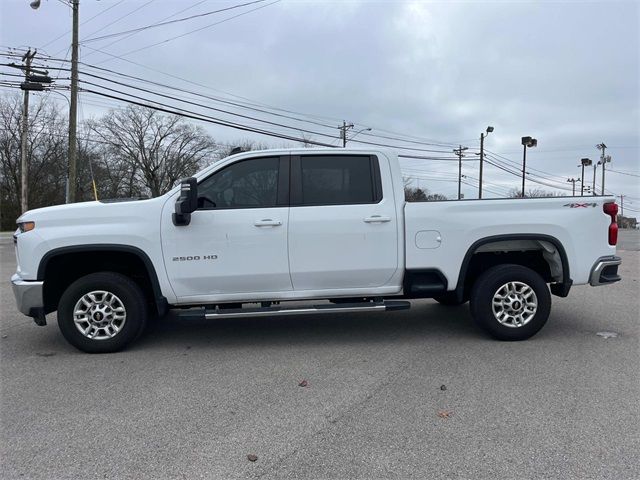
column 326, row 228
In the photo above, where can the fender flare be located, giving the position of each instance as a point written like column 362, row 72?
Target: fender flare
column 561, row 289
column 159, row 300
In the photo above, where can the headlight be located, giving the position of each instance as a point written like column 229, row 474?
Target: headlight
column 26, row 226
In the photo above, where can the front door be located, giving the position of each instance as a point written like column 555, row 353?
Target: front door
column 236, row 242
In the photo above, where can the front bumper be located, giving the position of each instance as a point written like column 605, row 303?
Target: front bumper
column 29, row 298
column 605, row 271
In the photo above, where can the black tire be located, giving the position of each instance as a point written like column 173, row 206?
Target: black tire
column 128, row 293
column 489, row 284
column 450, row 299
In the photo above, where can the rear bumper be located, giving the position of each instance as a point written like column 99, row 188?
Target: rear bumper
column 605, row 271
column 29, row 298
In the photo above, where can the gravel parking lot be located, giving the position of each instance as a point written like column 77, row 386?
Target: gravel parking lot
column 413, row 394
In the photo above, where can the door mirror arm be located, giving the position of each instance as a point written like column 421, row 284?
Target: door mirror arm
column 187, row 202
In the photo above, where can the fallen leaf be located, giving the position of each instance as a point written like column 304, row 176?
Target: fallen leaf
column 444, row 413
column 252, row 457
column 303, row 383
column 443, row 387
column 4, row 336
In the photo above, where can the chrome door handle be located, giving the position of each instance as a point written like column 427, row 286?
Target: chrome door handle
column 267, row 222
column 377, row 219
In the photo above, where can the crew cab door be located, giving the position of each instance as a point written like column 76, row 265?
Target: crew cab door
column 236, row 242
column 342, row 223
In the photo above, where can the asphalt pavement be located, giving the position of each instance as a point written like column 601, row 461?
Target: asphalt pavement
column 412, row 394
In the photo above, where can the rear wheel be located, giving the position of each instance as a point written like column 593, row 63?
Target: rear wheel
column 510, row 302
column 102, row 312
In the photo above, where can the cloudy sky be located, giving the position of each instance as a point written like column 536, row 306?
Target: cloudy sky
column 429, row 75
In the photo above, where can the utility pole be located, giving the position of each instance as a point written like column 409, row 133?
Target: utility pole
column 343, row 132
column 458, row 151
column 482, row 137
column 603, row 160
column 593, row 186
column 622, row 206
column 573, row 181
column 73, row 108
column 24, row 167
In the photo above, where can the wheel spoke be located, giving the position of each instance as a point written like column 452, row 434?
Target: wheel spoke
column 514, row 304
column 95, row 308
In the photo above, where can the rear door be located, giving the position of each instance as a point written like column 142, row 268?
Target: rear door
column 342, row 223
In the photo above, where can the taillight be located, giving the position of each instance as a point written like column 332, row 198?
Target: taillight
column 611, row 209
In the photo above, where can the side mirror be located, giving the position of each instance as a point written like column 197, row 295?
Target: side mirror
column 187, row 203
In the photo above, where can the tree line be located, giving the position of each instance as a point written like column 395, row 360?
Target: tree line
column 131, row 151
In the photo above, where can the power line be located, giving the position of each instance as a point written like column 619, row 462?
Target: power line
column 116, row 20
column 161, row 20
column 169, row 22
column 83, row 23
column 196, row 30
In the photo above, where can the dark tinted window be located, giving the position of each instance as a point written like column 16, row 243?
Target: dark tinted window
column 246, row 184
column 337, row 179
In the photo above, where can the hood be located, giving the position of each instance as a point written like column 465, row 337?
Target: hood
column 91, row 212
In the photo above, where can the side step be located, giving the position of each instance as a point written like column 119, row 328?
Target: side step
column 200, row 313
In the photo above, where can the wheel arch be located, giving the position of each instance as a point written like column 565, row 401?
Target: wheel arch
column 77, row 252
column 560, row 288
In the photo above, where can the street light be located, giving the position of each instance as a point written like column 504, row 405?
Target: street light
column 73, row 107
column 585, row 162
column 368, row 129
column 482, row 137
column 527, row 142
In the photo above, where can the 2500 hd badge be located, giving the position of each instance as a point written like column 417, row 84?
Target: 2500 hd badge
column 194, row 257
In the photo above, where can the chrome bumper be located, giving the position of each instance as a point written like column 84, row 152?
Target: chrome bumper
column 605, row 271
column 28, row 295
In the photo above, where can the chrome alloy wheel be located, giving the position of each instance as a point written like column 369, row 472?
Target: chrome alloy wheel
column 99, row 315
column 514, row 304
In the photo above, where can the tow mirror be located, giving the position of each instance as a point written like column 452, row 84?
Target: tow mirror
column 187, row 203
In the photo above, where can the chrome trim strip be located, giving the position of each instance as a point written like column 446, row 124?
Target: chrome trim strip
column 296, row 311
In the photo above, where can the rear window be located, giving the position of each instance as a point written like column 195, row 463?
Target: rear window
column 338, row 179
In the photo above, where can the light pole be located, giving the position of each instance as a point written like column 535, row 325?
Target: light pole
column 527, row 142
column 482, row 137
column 585, row 162
column 459, row 152
column 73, row 107
column 593, row 186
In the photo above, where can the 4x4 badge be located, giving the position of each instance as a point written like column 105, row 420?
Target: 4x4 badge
column 580, row 205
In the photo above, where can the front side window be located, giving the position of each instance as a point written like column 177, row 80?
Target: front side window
column 337, row 179
column 246, row 184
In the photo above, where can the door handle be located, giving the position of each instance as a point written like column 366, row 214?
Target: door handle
column 267, row 222
column 377, row 219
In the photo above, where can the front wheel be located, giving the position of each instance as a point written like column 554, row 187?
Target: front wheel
column 102, row 312
column 510, row 302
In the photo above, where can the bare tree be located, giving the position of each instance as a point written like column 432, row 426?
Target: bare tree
column 46, row 156
column 158, row 149
column 531, row 193
column 245, row 145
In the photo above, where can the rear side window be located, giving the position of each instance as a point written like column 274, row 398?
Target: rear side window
column 339, row 180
